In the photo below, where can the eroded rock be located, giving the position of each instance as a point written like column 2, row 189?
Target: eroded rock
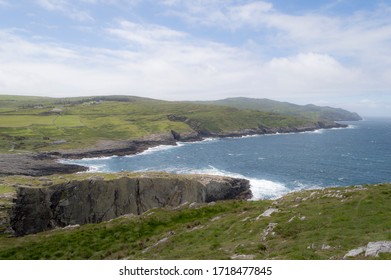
column 373, row 249
column 267, row 213
column 98, row 200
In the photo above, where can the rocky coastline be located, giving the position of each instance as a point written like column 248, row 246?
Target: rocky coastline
column 47, row 163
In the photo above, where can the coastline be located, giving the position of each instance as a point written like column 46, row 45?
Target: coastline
column 122, row 148
column 47, row 163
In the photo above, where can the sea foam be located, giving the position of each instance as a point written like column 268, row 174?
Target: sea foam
column 261, row 188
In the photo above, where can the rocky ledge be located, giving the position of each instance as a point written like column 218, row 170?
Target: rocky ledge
column 34, row 165
column 96, row 199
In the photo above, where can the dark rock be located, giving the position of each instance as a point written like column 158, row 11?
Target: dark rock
column 34, row 165
column 98, row 200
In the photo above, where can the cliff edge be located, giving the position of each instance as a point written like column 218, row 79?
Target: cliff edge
column 96, row 199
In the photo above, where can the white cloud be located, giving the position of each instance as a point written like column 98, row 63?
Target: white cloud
column 314, row 72
column 67, row 8
column 361, row 39
column 250, row 13
column 323, row 57
column 145, row 34
column 166, row 64
column 354, row 35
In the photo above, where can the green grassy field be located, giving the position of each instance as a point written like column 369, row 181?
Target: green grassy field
column 314, row 224
column 35, row 124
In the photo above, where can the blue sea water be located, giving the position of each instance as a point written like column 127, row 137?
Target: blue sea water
column 275, row 164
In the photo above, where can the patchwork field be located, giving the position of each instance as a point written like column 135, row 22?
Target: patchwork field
column 41, row 124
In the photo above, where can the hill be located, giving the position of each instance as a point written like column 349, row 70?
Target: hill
column 308, row 111
column 50, row 124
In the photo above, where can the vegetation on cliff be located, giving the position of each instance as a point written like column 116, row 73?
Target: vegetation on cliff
column 309, row 111
column 312, row 224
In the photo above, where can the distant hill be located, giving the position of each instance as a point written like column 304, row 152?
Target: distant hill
column 267, row 105
column 29, row 123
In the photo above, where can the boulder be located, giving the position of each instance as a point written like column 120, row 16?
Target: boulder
column 373, row 249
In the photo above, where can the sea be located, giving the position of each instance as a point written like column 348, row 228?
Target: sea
column 274, row 164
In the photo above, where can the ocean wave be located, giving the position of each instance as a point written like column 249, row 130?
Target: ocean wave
column 76, row 161
column 265, row 189
column 244, row 136
column 317, row 131
column 350, row 126
column 155, row 149
column 251, row 136
column 96, row 168
column 261, row 188
column 210, row 170
column 210, row 139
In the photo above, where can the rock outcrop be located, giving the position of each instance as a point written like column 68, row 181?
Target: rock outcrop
column 96, row 199
column 35, row 165
column 373, row 249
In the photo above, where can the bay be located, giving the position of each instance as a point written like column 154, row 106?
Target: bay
column 275, row 164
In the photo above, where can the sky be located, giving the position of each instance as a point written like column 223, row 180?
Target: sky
column 331, row 53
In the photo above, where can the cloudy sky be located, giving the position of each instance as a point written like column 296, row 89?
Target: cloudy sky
column 335, row 52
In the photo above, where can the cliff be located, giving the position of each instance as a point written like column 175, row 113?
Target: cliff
column 96, row 199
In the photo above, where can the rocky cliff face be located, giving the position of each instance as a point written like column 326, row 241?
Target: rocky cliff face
column 96, row 199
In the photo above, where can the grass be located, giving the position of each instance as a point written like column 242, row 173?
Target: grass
column 317, row 224
column 29, row 124
column 9, row 182
column 312, row 112
column 6, row 189
column 23, row 121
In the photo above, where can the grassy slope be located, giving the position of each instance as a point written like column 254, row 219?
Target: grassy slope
column 27, row 123
column 342, row 218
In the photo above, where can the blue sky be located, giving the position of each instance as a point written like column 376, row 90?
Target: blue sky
column 335, row 53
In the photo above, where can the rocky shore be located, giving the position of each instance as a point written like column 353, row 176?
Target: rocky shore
column 46, row 163
column 35, row 165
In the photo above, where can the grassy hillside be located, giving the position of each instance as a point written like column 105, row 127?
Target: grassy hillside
column 314, row 224
column 40, row 124
column 308, row 111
